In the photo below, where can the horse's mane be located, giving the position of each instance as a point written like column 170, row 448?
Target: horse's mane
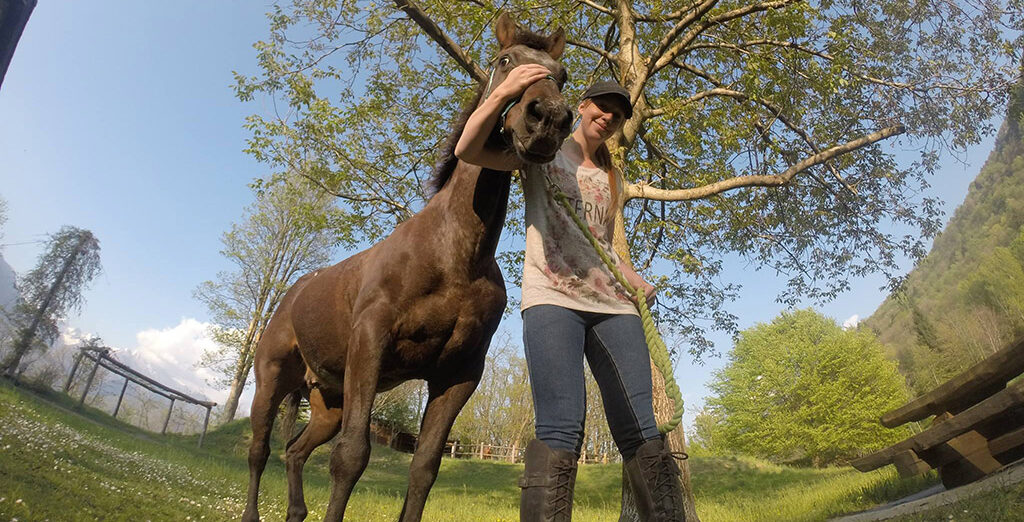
column 446, row 165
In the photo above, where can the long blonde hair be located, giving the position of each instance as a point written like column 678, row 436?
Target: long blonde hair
column 603, row 159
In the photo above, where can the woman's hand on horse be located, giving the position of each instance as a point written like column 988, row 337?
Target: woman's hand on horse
column 519, row 79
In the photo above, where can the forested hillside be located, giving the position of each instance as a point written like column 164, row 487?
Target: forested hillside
column 966, row 298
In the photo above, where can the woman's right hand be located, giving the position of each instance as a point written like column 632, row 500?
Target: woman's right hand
column 471, row 146
column 518, row 79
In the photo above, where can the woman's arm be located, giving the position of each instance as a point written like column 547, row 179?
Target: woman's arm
column 471, row 147
column 636, row 281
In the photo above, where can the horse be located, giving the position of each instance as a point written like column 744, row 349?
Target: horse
column 421, row 304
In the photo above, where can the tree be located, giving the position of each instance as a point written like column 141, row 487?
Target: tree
column 702, row 438
column 69, row 262
column 731, row 98
column 500, row 411
column 288, row 231
column 803, row 389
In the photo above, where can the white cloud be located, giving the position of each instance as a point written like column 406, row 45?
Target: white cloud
column 169, row 356
column 852, row 322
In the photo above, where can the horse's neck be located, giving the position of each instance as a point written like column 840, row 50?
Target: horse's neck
column 474, row 203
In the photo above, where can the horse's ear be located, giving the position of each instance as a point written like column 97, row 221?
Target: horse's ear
column 505, row 29
column 556, row 43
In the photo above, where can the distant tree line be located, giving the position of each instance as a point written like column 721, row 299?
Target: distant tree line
column 963, row 300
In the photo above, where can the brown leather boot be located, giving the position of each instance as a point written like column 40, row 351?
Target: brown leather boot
column 654, row 478
column 547, row 484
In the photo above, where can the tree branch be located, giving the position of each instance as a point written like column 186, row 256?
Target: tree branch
column 596, row 6
column 666, row 41
column 643, row 190
column 674, row 15
column 584, row 45
column 773, row 109
column 660, row 60
column 437, row 34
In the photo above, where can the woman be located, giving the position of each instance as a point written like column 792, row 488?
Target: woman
column 573, row 307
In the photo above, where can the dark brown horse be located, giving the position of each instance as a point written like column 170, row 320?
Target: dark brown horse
column 421, row 304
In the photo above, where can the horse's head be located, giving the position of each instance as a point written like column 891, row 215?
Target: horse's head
column 535, row 125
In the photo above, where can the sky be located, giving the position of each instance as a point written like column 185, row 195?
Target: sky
column 119, row 117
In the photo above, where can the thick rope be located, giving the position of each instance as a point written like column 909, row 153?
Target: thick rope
column 655, row 344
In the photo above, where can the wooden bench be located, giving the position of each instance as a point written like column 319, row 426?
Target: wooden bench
column 978, row 425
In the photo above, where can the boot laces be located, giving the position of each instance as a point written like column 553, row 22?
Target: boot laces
column 560, row 500
column 662, row 468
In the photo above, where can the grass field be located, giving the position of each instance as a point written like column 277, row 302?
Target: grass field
column 56, row 464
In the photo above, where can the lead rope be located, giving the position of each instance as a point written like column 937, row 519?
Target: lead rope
column 655, row 344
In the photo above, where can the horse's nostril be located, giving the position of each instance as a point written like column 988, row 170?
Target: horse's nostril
column 533, row 111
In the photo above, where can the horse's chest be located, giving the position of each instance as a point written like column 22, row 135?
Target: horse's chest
column 443, row 328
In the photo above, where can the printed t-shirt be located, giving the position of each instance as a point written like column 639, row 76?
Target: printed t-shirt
column 561, row 267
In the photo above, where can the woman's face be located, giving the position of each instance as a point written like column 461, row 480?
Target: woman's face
column 601, row 116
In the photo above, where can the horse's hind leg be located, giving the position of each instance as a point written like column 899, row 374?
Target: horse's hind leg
column 352, row 451
column 275, row 379
column 324, row 422
column 445, row 402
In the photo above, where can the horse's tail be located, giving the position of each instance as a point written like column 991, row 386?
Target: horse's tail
column 291, row 412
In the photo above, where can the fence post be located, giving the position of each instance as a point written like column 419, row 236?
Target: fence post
column 120, row 397
column 88, row 382
column 205, row 424
column 168, row 419
column 74, row 369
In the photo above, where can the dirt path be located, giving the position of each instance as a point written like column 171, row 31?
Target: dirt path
column 938, row 496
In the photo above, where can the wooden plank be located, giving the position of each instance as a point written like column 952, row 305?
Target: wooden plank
column 1012, row 440
column 946, row 428
column 969, row 418
column 974, row 463
column 908, row 464
column 882, row 457
column 978, row 382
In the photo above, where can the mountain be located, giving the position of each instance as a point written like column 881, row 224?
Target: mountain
column 8, row 294
column 965, row 300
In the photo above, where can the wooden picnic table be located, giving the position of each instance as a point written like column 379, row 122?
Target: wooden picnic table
column 978, row 424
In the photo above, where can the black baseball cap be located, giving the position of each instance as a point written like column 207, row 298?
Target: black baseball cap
column 613, row 88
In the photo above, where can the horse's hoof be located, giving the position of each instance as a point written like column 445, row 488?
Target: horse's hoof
column 296, row 515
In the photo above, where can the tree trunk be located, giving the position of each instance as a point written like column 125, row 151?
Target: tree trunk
column 13, row 18
column 664, row 408
column 242, row 367
column 244, row 364
column 28, row 335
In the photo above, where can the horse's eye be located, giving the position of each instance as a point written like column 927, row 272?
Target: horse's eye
column 505, row 60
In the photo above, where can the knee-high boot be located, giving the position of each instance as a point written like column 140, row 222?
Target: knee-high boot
column 654, row 478
column 547, row 484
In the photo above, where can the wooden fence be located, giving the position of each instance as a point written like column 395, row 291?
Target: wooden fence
column 406, row 443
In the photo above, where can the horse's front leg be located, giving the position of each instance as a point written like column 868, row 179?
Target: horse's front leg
column 446, row 400
column 352, row 452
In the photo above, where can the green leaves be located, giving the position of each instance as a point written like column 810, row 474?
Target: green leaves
column 803, row 389
column 69, row 262
column 361, row 99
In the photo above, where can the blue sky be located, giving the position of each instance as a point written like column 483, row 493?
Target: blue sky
column 119, row 117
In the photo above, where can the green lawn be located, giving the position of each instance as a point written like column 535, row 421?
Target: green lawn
column 60, row 465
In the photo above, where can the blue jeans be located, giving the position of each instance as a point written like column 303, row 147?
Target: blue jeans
column 556, row 339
